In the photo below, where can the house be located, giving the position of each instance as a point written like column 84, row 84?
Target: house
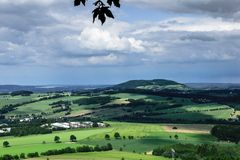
column 5, row 130
column 69, row 125
column 60, row 125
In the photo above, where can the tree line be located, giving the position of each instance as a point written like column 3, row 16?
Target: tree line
column 227, row 133
column 198, row 152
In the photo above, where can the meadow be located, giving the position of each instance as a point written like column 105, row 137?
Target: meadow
column 146, row 138
column 110, row 155
column 186, row 108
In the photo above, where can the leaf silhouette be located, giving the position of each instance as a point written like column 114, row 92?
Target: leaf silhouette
column 102, row 11
column 78, row 2
column 117, row 3
column 95, row 14
column 102, row 17
column 110, row 2
column 108, row 12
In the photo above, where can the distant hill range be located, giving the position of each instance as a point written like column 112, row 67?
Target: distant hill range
column 156, row 84
column 48, row 88
column 213, row 86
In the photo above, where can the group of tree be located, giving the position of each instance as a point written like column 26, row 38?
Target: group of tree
column 227, row 133
column 18, row 157
column 206, row 96
column 29, row 130
column 198, row 152
column 61, row 106
column 21, row 93
column 85, row 148
column 72, row 138
column 155, row 117
column 11, row 107
column 117, row 136
column 102, row 100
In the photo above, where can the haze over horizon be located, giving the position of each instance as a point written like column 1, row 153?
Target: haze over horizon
column 51, row 42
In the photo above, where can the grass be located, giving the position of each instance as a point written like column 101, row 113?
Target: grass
column 147, row 137
column 112, row 155
column 41, row 106
column 219, row 114
column 34, row 143
column 8, row 99
column 188, row 111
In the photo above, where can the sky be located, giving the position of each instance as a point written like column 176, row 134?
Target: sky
column 52, row 42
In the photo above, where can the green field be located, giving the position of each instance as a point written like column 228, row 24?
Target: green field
column 8, row 99
column 112, row 155
column 34, row 143
column 146, row 138
column 187, row 110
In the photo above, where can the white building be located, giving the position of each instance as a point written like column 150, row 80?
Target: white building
column 5, row 130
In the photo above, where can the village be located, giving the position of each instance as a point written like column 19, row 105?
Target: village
column 74, row 125
column 5, row 129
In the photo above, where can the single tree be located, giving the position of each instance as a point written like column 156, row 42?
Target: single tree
column 176, row 136
column 107, row 137
column 6, row 144
column 22, row 156
column 57, row 139
column 117, row 135
column 73, row 138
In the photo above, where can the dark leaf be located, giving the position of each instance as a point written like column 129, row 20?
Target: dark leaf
column 95, row 14
column 117, row 3
column 77, row 2
column 83, row 2
column 108, row 12
column 109, row 2
column 95, row 3
column 102, row 17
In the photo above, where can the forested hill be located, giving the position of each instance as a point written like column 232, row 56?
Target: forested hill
column 156, row 84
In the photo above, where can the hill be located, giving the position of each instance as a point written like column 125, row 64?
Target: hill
column 156, row 84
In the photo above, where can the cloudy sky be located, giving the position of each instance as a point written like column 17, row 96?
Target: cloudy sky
column 52, row 42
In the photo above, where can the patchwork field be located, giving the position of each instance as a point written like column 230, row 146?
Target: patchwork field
column 155, row 107
column 188, row 128
column 146, row 137
column 35, row 143
column 145, row 120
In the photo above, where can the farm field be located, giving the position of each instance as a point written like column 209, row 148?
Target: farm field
column 8, row 99
column 33, row 143
column 163, row 107
column 146, row 138
column 166, row 120
column 41, row 106
column 111, row 155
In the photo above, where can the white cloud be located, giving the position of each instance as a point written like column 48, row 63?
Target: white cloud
column 110, row 59
column 50, row 35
